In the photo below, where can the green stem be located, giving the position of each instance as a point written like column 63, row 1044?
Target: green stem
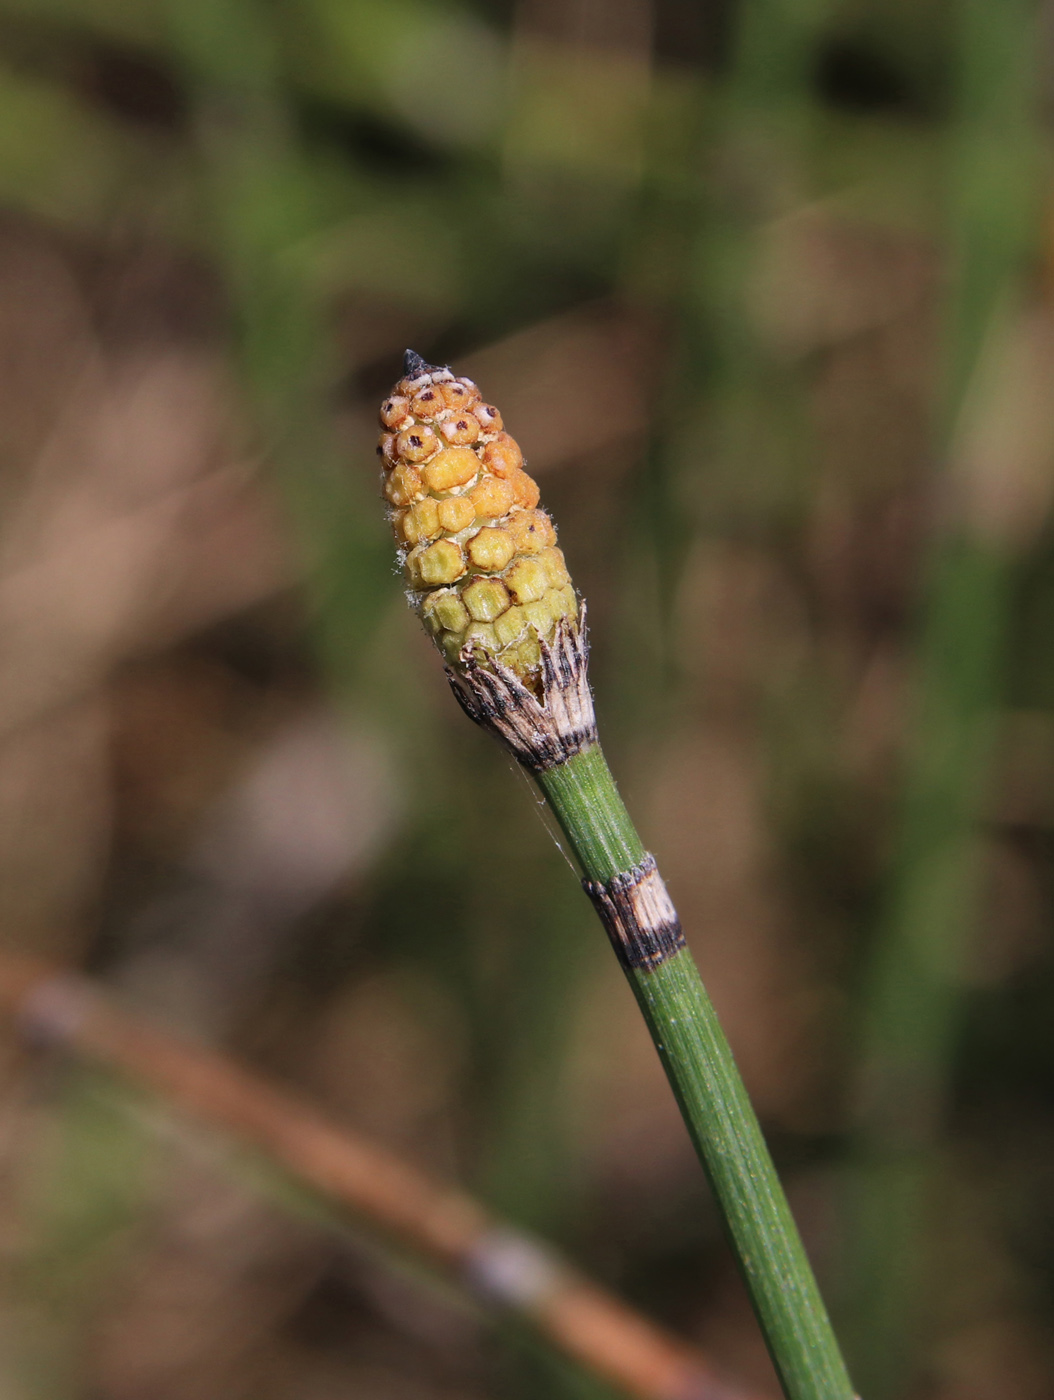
column 592, row 816
column 713, row 1100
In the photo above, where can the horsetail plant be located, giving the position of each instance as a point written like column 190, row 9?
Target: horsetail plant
column 490, row 585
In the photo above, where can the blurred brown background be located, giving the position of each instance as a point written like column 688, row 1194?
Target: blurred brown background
column 763, row 289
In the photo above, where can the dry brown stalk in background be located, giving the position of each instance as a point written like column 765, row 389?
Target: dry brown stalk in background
column 499, row 1263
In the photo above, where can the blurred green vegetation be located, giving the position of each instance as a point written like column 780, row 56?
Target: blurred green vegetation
column 764, row 290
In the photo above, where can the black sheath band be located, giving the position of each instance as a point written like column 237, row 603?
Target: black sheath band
column 639, row 916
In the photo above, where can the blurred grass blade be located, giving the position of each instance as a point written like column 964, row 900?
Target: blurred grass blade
column 914, row 999
column 260, row 197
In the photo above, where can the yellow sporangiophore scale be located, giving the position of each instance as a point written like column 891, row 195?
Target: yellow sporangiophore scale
column 479, row 556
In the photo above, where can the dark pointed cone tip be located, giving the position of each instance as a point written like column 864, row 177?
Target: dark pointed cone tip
column 415, row 365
